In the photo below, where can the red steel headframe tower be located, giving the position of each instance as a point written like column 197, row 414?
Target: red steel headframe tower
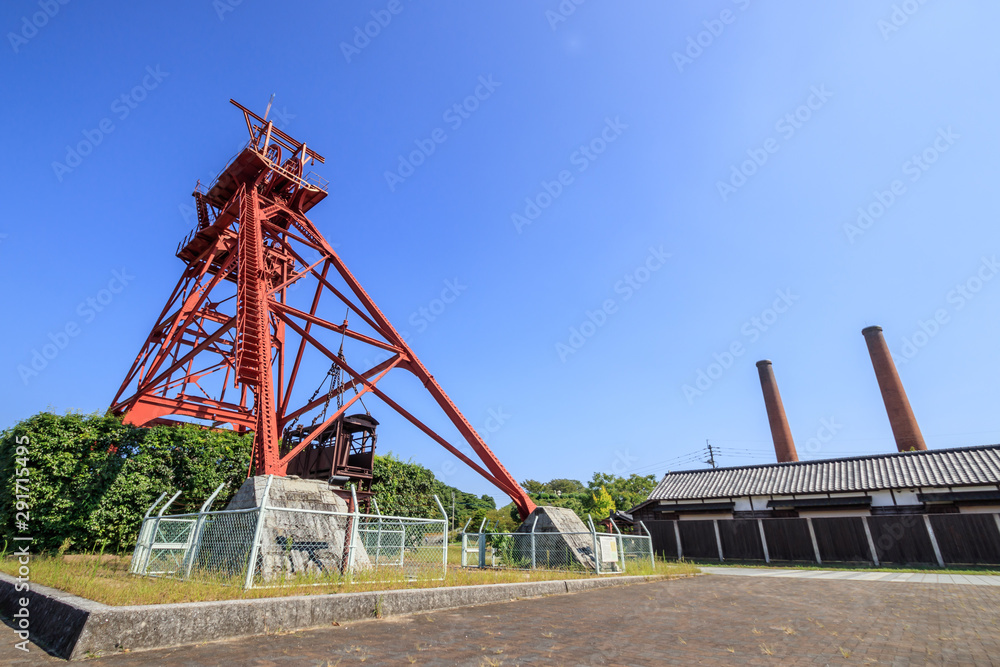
column 245, row 319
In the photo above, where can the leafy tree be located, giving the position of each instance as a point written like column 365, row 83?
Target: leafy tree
column 532, row 486
column 565, row 486
column 626, row 492
column 467, row 505
column 403, row 488
column 555, row 487
column 601, row 504
column 569, row 493
column 574, row 501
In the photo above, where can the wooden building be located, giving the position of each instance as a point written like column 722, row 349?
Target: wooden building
column 930, row 507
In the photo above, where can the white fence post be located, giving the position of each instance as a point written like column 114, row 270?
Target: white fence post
column 402, row 542
column 597, row 552
column 444, row 535
column 533, row 524
column 378, row 534
column 156, row 527
column 482, row 544
column 139, row 556
column 465, row 542
column 195, row 538
column 155, row 503
column 354, row 532
column 621, row 544
column 252, row 562
column 649, row 536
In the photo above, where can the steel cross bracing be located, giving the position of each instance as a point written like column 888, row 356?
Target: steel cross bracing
column 245, row 320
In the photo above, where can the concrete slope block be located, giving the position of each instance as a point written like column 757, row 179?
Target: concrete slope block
column 299, row 542
column 560, row 529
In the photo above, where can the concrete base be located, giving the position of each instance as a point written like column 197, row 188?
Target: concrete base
column 292, row 492
column 294, row 543
column 75, row 628
column 565, row 521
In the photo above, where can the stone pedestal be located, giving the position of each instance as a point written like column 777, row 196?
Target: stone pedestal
column 296, row 543
column 574, row 537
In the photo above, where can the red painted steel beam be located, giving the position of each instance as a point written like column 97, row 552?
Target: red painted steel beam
column 251, row 244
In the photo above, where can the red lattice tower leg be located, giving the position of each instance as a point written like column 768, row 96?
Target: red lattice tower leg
column 255, row 309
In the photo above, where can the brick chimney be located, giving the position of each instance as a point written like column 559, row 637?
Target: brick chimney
column 904, row 424
column 784, row 447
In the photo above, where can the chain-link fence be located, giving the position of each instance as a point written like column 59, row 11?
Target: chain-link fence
column 603, row 553
column 274, row 546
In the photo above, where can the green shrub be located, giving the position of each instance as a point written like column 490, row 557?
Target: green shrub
column 91, row 477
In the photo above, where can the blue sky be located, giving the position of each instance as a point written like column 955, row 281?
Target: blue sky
column 696, row 168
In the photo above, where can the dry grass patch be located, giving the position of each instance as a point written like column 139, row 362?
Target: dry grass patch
column 106, row 579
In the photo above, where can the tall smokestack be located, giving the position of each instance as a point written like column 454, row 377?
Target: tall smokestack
column 784, row 447
column 904, row 424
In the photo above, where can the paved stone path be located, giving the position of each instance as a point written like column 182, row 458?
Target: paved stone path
column 860, row 575
column 707, row 620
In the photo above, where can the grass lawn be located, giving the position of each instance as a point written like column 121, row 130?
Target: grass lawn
column 927, row 569
column 106, row 578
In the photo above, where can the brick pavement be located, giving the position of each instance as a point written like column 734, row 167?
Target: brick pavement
column 708, row 620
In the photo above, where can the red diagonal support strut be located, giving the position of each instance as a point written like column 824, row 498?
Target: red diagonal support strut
column 267, row 306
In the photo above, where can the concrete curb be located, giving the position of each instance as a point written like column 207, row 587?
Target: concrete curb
column 73, row 627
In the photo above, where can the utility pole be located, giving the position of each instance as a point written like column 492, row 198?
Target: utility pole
column 453, row 510
column 711, row 454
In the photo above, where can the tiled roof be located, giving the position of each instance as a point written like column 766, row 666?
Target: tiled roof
column 964, row 466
